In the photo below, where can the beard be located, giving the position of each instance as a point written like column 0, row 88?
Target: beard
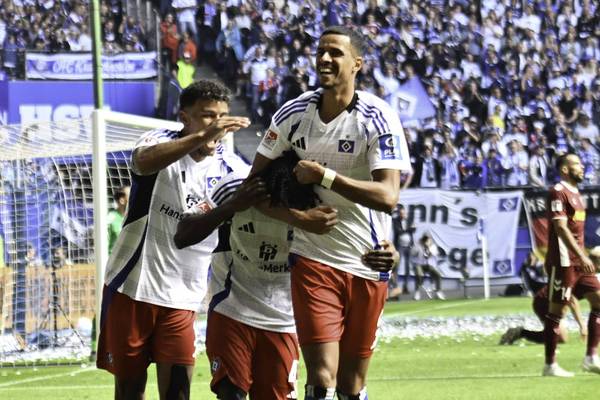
column 577, row 178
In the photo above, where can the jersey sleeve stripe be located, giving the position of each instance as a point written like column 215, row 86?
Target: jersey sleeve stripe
column 291, row 111
column 374, row 238
column 376, row 111
column 295, row 104
column 373, row 117
column 229, row 186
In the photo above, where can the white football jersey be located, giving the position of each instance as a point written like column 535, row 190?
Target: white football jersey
column 365, row 137
column 250, row 279
column 145, row 264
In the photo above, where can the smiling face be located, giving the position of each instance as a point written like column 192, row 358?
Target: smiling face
column 337, row 61
column 198, row 117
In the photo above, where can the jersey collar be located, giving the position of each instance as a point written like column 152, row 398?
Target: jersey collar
column 350, row 106
column 570, row 187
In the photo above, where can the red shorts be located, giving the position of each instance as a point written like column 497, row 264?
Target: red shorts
column 134, row 334
column 565, row 282
column 335, row 306
column 261, row 363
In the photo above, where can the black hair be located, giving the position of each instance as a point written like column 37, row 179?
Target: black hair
column 203, row 89
column 282, row 185
column 356, row 38
column 562, row 160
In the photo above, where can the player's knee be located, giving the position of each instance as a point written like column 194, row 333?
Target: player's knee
column 130, row 388
column 362, row 395
column 226, row 390
column 318, row 393
column 179, row 383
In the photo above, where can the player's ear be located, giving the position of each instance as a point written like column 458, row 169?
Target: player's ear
column 183, row 117
column 358, row 63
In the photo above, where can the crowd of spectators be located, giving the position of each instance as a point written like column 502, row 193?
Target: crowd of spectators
column 55, row 26
column 513, row 82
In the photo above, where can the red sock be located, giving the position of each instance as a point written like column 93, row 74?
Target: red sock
column 593, row 332
column 533, row 336
column 551, row 332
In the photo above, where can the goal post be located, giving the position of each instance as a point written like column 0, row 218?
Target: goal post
column 56, row 183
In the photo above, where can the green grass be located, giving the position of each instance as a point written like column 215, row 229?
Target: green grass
column 468, row 367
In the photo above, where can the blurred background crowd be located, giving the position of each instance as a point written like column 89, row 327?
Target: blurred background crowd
column 513, row 82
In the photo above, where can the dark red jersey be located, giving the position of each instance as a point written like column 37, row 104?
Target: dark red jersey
column 564, row 202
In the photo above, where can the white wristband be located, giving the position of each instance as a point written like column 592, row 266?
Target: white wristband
column 328, row 178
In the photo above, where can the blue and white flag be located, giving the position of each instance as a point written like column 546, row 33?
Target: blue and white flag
column 412, row 102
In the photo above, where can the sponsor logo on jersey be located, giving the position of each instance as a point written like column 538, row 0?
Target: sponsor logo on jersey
column 579, row 215
column 267, row 251
column 556, row 206
column 300, row 143
column 275, row 268
column 269, row 139
column 509, row 204
column 191, row 200
column 171, row 212
column 390, row 147
column 249, row 227
column 346, row 146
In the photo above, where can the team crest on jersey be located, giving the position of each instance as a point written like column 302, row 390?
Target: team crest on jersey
column 270, row 139
column 191, row 200
column 346, row 146
column 390, row 147
column 211, row 181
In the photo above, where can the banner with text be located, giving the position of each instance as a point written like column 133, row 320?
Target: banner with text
column 79, row 66
column 535, row 209
column 453, row 221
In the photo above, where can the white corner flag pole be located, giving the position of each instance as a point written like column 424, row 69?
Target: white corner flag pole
column 484, row 250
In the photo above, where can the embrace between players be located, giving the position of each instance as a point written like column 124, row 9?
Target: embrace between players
column 289, row 266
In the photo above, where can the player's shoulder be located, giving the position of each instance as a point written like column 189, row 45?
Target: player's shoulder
column 370, row 101
column 296, row 106
column 231, row 160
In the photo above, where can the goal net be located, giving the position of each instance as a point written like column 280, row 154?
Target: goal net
column 48, row 251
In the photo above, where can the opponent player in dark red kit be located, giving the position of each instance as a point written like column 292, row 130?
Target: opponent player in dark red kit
column 570, row 270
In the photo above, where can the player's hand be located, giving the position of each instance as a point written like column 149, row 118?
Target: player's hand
column 309, row 172
column 220, row 127
column 253, row 191
column 587, row 266
column 382, row 260
column 583, row 333
column 319, row 219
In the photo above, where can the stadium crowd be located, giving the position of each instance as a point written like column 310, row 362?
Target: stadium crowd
column 62, row 26
column 513, row 82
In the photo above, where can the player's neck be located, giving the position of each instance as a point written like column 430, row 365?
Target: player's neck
column 121, row 209
column 334, row 101
column 570, row 184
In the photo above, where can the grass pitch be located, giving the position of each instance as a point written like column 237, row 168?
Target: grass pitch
column 460, row 367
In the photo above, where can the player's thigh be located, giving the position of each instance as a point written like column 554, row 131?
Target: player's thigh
column 365, row 304
column 174, row 337
column 275, row 366
column 124, row 345
column 230, row 347
column 318, row 298
column 588, row 286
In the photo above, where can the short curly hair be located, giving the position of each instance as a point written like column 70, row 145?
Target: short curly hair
column 203, row 89
column 282, row 185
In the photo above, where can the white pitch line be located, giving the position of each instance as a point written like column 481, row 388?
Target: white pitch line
column 440, row 307
column 46, row 377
